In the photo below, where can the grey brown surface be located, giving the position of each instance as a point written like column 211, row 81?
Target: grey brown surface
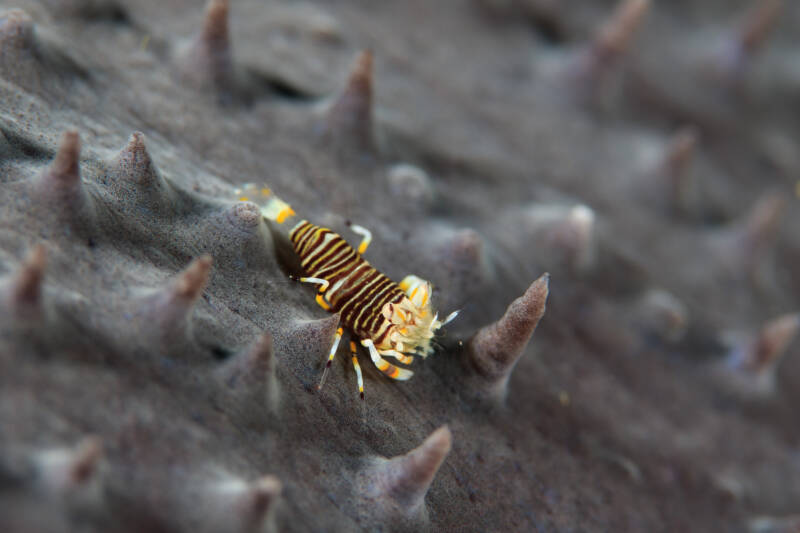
column 158, row 369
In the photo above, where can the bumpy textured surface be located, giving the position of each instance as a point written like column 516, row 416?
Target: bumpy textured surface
column 158, row 369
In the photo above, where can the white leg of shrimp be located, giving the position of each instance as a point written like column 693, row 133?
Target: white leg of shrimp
column 354, row 355
column 366, row 237
column 401, row 358
column 383, row 365
column 452, row 316
column 331, row 355
column 323, row 286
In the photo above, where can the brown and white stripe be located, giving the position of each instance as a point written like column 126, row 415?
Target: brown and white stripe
column 355, row 288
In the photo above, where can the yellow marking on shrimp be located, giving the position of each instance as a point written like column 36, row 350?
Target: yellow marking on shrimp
column 339, row 333
column 358, row 374
column 366, row 236
column 244, row 199
column 284, row 213
column 391, row 371
column 354, row 357
column 323, row 286
column 405, row 359
column 322, row 303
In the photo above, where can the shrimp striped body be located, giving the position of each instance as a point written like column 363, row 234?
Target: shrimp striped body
column 357, row 290
column 390, row 319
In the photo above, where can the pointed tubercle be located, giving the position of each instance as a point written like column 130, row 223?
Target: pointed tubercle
column 60, row 192
column 236, row 505
column 252, row 368
column 495, row 349
column 248, row 390
column 16, row 29
column 350, row 116
column 134, row 161
column 215, row 25
column 193, row 280
column 169, row 310
column 662, row 314
column 672, row 173
column 757, row 25
column 261, row 496
column 771, row 343
column 85, row 460
column 26, row 286
column 260, row 358
column 680, row 151
column 399, row 484
column 762, row 222
column 64, row 470
column 321, row 332
column 614, row 37
column 208, row 63
column 64, row 169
